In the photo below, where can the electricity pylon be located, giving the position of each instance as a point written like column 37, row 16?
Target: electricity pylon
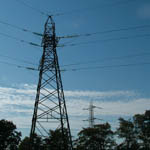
column 50, row 110
column 91, row 118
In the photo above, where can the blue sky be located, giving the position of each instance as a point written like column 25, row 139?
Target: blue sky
column 121, row 91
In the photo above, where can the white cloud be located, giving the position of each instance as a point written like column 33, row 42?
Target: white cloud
column 17, row 104
column 95, row 94
column 115, row 108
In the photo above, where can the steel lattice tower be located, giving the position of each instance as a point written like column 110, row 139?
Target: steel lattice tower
column 91, row 118
column 50, row 110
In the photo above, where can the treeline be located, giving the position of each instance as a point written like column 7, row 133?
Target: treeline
column 132, row 134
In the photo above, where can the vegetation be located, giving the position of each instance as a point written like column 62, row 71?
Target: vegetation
column 99, row 137
column 136, row 133
column 37, row 144
column 133, row 134
column 54, row 141
column 9, row 137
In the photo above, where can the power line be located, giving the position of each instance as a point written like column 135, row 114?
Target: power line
column 107, row 40
column 109, row 66
column 78, row 35
column 74, row 11
column 22, row 29
column 20, row 40
column 33, row 8
column 38, row 10
column 79, row 63
column 18, row 66
column 80, row 69
column 24, row 67
column 106, row 31
column 105, row 59
column 18, row 59
column 94, row 8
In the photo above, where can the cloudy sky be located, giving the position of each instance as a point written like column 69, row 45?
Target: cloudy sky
column 111, row 67
column 17, row 105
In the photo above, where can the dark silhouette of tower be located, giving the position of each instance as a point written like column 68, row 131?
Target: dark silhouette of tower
column 50, row 110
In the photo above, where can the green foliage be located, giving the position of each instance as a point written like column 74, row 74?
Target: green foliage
column 98, row 138
column 24, row 145
column 37, row 143
column 134, row 134
column 142, row 125
column 127, row 131
column 9, row 137
column 55, row 141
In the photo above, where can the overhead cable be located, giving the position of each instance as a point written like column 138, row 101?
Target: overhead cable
column 22, row 29
column 80, row 69
column 106, row 40
column 109, row 66
column 18, row 59
column 106, row 59
column 74, row 11
column 20, row 40
column 94, row 8
column 106, row 31
column 18, row 66
column 33, row 8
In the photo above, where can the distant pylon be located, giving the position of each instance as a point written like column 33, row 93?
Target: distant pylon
column 91, row 118
column 50, row 110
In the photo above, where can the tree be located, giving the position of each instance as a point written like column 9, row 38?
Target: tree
column 55, row 140
column 37, row 143
column 142, row 125
column 127, row 132
column 98, row 138
column 25, row 143
column 9, row 137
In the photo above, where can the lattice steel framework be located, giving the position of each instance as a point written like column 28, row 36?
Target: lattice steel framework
column 91, row 118
column 50, row 110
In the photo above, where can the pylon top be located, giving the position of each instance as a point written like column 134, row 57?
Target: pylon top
column 49, row 21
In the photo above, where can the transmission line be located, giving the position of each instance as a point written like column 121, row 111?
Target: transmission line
column 20, row 40
column 93, row 8
column 106, row 31
column 22, row 29
column 73, row 11
column 70, row 36
column 80, row 69
column 24, row 67
column 18, row 66
column 106, row 40
column 33, row 8
column 109, row 66
column 18, row 59
column 105, row 59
